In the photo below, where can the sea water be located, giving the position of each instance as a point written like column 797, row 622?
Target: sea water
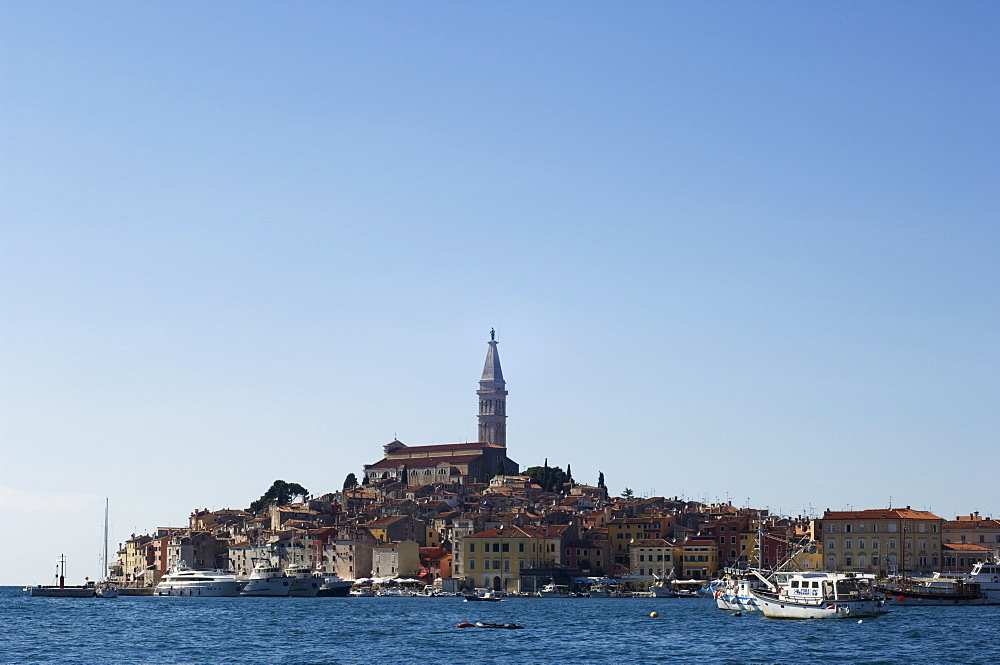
column 352, row 631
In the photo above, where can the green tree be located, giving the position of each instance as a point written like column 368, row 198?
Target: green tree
column 600, row 479
column 627, row 493
column 548, row 478
column 569, row 474
column 280, row 493
column 501, row 468
column 350, row 481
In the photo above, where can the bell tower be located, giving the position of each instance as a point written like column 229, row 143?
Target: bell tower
column 492, row 398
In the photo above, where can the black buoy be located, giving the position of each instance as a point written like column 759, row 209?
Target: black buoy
column 738, row 614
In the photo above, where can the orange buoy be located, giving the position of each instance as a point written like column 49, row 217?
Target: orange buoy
column 465, row 624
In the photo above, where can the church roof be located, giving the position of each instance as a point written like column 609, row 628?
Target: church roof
column 491, row 370
column 440, row 447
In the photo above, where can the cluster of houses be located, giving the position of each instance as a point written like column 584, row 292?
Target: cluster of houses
column 462, row 514
column 509, row 534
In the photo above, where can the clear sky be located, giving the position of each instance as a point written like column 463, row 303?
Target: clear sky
column 742, row 251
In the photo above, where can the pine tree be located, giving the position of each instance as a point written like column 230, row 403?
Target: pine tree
column 600, row 479
column 569, row 474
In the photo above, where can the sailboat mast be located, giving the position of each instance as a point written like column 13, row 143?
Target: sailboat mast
column 104, row 573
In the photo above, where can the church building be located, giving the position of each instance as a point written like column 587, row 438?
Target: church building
column 458, row 462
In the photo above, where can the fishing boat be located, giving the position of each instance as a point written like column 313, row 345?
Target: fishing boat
column 932, row 591
column 984, row 573
column 819, row 596
column 732, row 592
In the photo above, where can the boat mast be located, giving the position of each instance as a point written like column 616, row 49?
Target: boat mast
column 104, row 572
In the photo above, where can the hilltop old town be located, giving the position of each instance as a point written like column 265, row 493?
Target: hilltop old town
column 466, row 516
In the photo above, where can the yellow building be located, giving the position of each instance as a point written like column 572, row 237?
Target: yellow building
column 623, row 531
column 656, row 557
column 701, row 559
column 890, row 540
column 494, row 559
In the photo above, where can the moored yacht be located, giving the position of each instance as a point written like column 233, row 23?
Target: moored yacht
column 819, row 596
column 334, row 586
column 183, row 581
column 986, row 574
column 267, row 580
column 305, row 581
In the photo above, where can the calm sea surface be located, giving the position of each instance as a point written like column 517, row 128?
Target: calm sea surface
column 349, row 631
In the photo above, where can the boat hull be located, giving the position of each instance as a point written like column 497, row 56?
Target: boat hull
column 784, row 608
column 61, row 592
column 226, row 588
column 271, row 586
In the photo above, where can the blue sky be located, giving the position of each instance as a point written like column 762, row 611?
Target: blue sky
column 743, row 251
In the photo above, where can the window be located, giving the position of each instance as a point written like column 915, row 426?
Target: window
column 874, row 543
column 892, row 543
column 892, row 527
column 831, row 528
column 496, row 564
column 848, row 544
column 472, row 564
column 847, row 528
column 848, row 561
column 861, row 546
column 733, row 540
column 506, row 548
column 921, row 528
column 472, row 547
column 861, row 528
column 831, row 544
column 486, row 564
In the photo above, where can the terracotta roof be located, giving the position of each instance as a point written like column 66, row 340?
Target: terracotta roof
column 965, row 547
column 880, row 514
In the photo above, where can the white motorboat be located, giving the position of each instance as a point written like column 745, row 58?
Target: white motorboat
column 184, row 581
column 733, row 593
column 267, row 580
column 662, row 590
column 554, row 591
column 819, row 596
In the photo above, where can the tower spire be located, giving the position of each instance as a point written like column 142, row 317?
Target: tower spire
column 492, row 398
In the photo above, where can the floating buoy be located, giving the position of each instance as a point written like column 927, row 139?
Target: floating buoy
column 654, row 614
column 738, row 614
column 860, row 621
column 900, row 598
column 465, row 624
